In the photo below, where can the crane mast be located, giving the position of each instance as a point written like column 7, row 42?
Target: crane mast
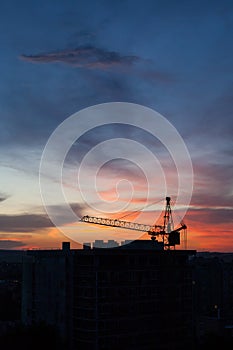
column 170, row 236
column 168, row 225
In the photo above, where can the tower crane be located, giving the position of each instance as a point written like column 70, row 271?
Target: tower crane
column 170, row 236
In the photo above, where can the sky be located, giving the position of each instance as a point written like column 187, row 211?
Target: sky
column 59, row 58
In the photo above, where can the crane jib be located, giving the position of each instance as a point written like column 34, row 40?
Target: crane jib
column 122, row 224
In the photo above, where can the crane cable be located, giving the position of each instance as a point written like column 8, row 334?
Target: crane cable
column 140, row 209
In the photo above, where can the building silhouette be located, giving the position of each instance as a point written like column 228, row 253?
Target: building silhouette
column 135, row 296
column 213, row 296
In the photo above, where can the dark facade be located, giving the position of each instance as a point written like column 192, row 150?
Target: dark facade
column 127, row 298
column 132, row 299
column 47, row 290
column 213, row 295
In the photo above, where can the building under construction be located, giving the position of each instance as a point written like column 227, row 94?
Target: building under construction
column 131, row 297
column 136, row 296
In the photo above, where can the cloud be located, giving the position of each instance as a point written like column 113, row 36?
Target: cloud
column 3, row 197
column 210, row 228
column 203, row 199
column 213, row 182
column 57, row 211
column 86, row 56
column 34, row 222
column 111, row 131
column 4, row 236
column 210, row 216
column 24, row 222
column 11, row 244
column 95, row 58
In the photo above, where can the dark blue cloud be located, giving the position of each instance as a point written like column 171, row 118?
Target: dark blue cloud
column 84, row 56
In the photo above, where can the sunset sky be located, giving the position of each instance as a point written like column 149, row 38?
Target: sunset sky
column 60, row 57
